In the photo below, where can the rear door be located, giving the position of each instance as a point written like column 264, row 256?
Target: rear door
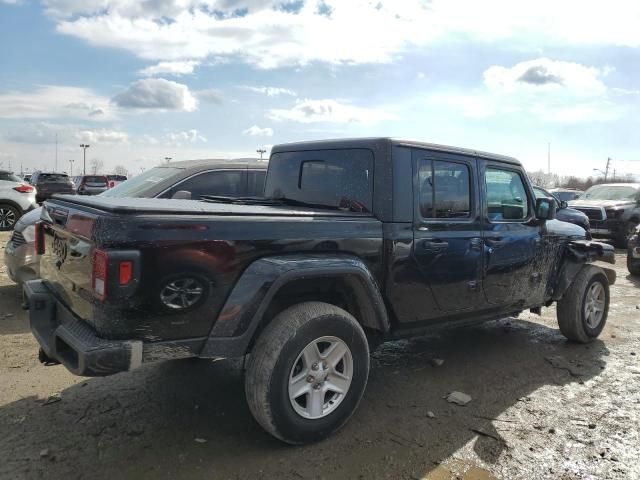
column 512, row 235
column 447, row 229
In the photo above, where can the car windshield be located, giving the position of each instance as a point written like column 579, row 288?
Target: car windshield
column 53, row 178
column 610, row 192
column 566, row 195
column 139, row 185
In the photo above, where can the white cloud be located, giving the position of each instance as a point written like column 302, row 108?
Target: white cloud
column 170, row 68
column 209, row 95
column 543, row 73
column 45, row 133
column 269, row 91
column 256, row 131
column 51, row 101
column 324, row 30
column 156, row 94
column 331, row 111
column 175, row 139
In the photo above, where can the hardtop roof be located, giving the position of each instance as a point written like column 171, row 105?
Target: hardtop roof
column 376, row 143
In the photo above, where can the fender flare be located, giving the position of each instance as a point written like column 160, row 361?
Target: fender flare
column 253, row 292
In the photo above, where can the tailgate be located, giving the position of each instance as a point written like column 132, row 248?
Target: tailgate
column 66, row 264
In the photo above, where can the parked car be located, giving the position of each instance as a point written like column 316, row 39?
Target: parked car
column 49, row 183
column 355, row 242
column 566, row 194
column 27, row 178
column 91, row 184
column 115, row 180
column 613, row 210
column 16, row 198
column 200, row 177
column 563, row 212
column 633, row 253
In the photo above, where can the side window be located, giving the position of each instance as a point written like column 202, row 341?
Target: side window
column 255, row 183
column 223, row 183
column 506, row 195
column 444, row 189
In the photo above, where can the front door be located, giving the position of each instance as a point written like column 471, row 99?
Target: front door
column 511, row 234
column 447, row 230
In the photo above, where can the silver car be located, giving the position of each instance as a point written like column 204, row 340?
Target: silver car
column 20, row 252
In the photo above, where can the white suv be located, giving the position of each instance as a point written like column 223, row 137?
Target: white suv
column 16, row 198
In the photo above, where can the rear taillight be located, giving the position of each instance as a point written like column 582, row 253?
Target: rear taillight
column 39, row 240
column 126, row 270
column 24, row 188
column 112, row 184
column 99, row 273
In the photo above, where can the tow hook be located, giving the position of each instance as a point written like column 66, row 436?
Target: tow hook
column 46, row 359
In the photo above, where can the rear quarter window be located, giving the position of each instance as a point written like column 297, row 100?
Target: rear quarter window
column 335, row 178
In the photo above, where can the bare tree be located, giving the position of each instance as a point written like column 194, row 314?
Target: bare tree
column 96, row 165
column 120, row 170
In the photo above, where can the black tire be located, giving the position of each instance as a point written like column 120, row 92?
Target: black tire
column 571, row 307
column 623, row 239
column 9, row 216
column 633, row 265
column 273, row 359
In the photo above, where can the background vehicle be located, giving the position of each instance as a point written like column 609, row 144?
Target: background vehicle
column 633, row 253
column 566, row 194
column 115, row 180
column 27, row 177
column 191, row 179
column 16, row 198
column 564, row 213
column 354, row 242
column 91, row 184
column 203, row 177
column 613, row 210
column 48, row 184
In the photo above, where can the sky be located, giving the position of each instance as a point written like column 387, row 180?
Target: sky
column 148, row 79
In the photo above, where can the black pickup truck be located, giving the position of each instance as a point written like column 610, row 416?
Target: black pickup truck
column 355, row 242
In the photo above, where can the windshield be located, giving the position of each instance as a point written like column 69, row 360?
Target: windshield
column 327, row 178
column 565, row 195
column 610, row 192
column 139, row 185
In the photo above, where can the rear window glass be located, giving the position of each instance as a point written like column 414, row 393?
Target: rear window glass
column 53, row 178
column 117, row 178
column 332, row 178
column 95, row 179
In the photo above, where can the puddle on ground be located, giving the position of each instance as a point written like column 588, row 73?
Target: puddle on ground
column 459, row 470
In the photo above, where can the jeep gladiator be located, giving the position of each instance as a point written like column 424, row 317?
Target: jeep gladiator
column 355, row 242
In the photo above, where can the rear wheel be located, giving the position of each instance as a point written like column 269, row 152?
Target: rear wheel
column 9, row 215
column 307, row 372
column 633, row 265
column 628, row 230
column 583, row 310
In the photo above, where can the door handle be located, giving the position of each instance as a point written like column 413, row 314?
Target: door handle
column 494, row 242
column 435, row 245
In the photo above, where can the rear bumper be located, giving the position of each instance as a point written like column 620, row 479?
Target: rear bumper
column 22, row 262
column 72, row 342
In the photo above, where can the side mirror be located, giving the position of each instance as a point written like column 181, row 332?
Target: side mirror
column 545, row 209
column 563, row 204
column 182, row 195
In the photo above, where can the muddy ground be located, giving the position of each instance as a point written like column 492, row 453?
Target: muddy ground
column 541, row 408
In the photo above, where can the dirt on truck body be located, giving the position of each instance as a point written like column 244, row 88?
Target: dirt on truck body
column 355, row 243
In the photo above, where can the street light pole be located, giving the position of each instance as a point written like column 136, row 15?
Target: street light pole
column 167, row 159
column 84, row 157
column 261, row 151
column 71, row 168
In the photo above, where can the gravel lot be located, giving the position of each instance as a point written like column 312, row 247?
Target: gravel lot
column 541, row 408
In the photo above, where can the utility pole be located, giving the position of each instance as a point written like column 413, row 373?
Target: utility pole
column 71, row 168
column 549, row 158
column 261, row 151
column 84, row 147
column 606, row 170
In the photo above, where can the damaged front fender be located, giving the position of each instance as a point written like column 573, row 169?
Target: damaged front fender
column 578, row 253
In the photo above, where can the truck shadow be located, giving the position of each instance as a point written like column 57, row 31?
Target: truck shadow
column 188, row 419
column 13, row 320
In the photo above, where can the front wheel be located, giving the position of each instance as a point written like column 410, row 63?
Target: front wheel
column 583, row 310
column 628, row 230
column 307, row 372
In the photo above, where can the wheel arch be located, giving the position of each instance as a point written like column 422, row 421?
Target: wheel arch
column 272, row 284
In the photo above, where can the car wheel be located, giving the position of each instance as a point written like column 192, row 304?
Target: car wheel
column 582, row 311
column 9, row 215
column 307, row 372
column 629, row 229
column 633, row 265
